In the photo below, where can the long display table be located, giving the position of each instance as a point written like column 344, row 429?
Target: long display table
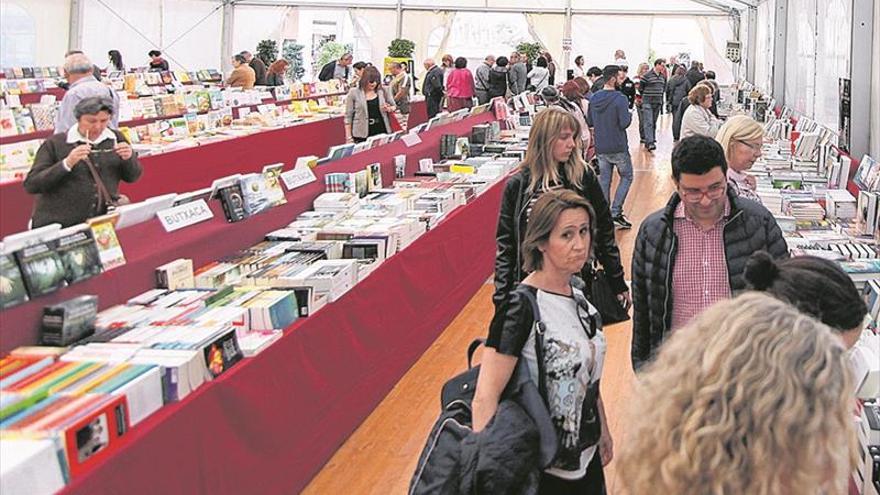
column 194, row 168
column 268, row 424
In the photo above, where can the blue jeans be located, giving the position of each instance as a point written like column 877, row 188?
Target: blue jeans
column 650, row 114
column 624, row 165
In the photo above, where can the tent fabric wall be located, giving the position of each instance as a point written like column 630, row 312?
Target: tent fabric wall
column 800, row 60
column 547, row 29
column 875, row 87
column 51, row 23
column 833, row 46
column 764, row 45
column 375, row 31
column 134, row 28
column 596, row 37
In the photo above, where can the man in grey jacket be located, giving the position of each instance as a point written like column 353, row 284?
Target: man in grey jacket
column 481, row 79
column 653, row 88
column 518, row 73
column 693, row 252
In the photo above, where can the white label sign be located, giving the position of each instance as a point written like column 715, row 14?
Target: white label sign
column 180, row 216
column 411, row 139
column 298, row 177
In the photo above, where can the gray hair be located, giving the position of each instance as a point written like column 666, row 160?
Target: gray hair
column 92, row 106
column 78, row 63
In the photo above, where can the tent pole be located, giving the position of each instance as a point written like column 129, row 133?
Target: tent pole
column 74, row 38
column 860, row 77
column 779, row 52
column 566, row 39
column 752, row 40
column 226, row 40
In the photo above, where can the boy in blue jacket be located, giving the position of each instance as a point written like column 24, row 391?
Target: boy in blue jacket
column 609, row 117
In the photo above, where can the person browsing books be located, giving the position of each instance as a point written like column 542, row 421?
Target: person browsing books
column 78, row 70
column 553, row 161
column 555, row 248
column 693, row 252
column 742, row 139
column 751, row 397
column 157, row 63
column 367, row 107
column 242, row 75
column 76, row 175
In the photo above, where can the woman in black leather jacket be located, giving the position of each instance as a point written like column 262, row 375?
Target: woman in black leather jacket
column 552, row 161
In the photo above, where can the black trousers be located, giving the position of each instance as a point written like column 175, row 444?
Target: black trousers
column 593, row 483
column 433, row 104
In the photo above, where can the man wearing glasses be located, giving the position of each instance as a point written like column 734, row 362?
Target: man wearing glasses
column 693, row 252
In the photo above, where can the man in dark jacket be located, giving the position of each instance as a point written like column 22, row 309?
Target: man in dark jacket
column 628, row 87
column 653, row 88
column 693, row 252
column 676, row 90
column 432, row 87
column 609, row 116
column 258, row 66
column 694, row 74
column 337, row 69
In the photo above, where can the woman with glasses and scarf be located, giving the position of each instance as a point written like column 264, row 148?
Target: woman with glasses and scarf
column 76, row 174
column 556, row 246
column 742, row 138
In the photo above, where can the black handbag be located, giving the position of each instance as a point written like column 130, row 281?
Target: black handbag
column 603, row 297
column 439, row 468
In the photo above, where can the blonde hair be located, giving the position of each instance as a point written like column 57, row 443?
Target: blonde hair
column 697, row 95
column 644, row 67
column 543, row 218
column 546, row 128
column 753, row 397
column 738, row 128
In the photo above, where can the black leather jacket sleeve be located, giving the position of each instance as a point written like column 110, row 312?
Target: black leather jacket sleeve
column 604, row 244
column 641, row 328
column 506, row 245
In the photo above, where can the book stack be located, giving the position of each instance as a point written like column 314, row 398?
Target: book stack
column 840, row 204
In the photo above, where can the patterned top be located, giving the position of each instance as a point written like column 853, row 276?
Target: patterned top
column 737, row 181
column 699, row 277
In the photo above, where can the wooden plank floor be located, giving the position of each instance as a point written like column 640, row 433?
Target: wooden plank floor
column 380, row 456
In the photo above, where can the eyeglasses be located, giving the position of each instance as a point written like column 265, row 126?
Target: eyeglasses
column 752, row 146
column 696, row 195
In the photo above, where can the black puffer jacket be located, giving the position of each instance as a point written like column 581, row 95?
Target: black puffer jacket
column 512, row 229
column 749, row 228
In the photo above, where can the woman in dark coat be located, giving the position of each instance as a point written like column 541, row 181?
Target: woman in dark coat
column 65, row 167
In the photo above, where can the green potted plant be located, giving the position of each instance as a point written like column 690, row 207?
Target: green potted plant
column 401, row 48
column 267, row 51
column 532, row 50
column 293, row 53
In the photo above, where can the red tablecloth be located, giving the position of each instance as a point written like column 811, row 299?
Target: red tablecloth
column 270, row 423
column 194, row 168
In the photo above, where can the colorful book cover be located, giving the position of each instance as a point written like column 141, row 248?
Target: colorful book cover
column 274, row 191
column 109, row 249
column 232, row 202
column 23, row 120
column 12, row 288
column 41, row 268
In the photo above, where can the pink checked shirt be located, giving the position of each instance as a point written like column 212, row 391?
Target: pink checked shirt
column 699, row 278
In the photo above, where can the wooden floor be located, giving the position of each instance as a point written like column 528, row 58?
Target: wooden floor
column 379, row 458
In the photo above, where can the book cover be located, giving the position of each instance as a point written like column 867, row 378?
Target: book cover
column 41, row 268
column 79, row 254
column 233, row 203
column 254, row 194
column 177, row 274
column 109, row 249
column 65, row 323
column 222, row 354
column 374, row 176
column 274, row 191
column 12, row 287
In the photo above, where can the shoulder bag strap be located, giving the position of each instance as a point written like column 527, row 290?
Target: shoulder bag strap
column 104, row 198
column 540, row 328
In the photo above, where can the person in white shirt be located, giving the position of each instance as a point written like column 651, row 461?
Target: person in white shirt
column 578, row 70
column 698, row 119
column 539, row 76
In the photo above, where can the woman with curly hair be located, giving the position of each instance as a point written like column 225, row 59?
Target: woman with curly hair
column 752, row 397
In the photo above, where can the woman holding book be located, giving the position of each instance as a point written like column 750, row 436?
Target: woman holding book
column 76, row 174
column 367, row 107
column 742, row 138
column 571, row 347
column 553, row 161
